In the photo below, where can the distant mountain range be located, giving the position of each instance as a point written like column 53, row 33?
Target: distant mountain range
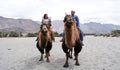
column 91, row 27
column 30, row 26
column 18, row 25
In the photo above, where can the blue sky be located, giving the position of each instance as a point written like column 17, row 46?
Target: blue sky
column 104, row 11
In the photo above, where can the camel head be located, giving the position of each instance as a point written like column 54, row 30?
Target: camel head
column 68, row 20
column 44, row 28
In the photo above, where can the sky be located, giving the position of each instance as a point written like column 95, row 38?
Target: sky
column 102, row 11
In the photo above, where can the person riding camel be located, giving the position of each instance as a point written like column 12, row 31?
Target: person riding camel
column 47, row 20
column 77, row 23
column 76, row 18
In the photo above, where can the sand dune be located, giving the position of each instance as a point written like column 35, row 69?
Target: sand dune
column 98, row 53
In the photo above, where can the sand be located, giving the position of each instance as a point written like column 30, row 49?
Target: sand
column 98, row 53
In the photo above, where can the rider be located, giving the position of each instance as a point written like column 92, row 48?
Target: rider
column 77, row 23
column 47, row 20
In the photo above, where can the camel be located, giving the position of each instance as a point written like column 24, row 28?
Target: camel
column 44, row 41
column 71, row 39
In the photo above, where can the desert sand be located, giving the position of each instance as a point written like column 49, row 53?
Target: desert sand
column 98, row 53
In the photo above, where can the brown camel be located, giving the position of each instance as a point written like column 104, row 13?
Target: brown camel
column 44, row 41
column 71, row 39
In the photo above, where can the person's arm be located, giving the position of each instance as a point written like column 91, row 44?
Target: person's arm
column 49, row 22
column 77, row 21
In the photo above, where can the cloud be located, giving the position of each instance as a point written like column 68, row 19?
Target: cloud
column 85, row 9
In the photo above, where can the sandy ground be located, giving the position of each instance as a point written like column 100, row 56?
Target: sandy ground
column 98, row 53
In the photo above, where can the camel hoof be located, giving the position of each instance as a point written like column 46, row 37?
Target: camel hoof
column 48, row 61
column 41, row 60
column 77, row 64
column 66, row 65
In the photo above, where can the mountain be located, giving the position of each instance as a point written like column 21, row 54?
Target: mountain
column 30, row 26
column 18, row 25
column 90, row 27
column 93, row 27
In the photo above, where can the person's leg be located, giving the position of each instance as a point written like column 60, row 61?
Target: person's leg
column 63, row 34
column 81, row 35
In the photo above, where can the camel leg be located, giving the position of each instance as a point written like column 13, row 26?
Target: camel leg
column 77, row 50
column 66, row 63
column 76, row 58
column 65, row 50
column 47, row 56
column 48, row 48
column 70, row 51
column 41, row 51
column 41, row 59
